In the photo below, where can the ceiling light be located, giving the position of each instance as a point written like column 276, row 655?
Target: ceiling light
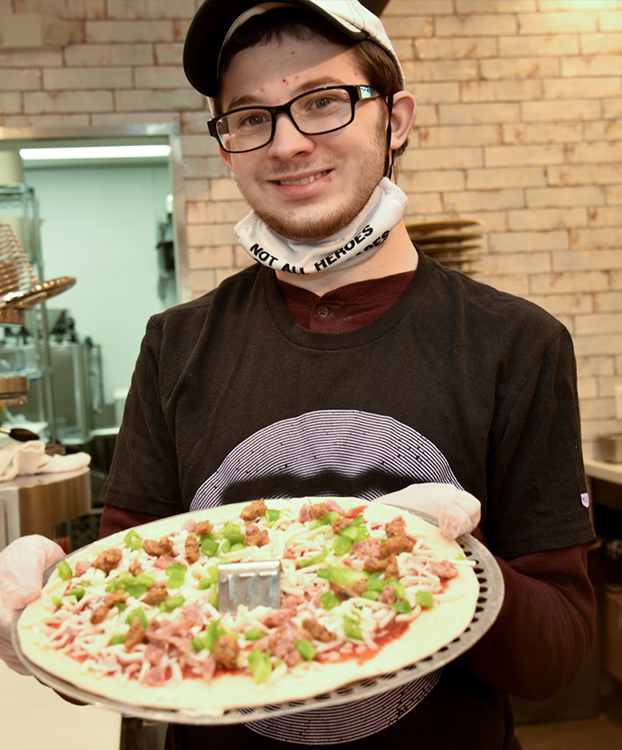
column 95, row 152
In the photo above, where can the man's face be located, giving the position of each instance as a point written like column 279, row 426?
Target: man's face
column 304, row 187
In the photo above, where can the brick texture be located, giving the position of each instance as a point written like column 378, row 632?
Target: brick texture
column 520, row 105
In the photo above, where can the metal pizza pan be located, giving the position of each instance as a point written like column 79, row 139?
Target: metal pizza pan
column 489, row 601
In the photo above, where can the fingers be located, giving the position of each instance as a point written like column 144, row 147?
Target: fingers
column 22, row 565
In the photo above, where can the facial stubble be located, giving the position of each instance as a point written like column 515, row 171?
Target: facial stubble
column 318, row 228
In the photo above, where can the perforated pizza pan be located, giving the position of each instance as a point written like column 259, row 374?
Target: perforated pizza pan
column 491, row 591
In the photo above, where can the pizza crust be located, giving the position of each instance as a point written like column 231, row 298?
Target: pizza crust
column 431, row 631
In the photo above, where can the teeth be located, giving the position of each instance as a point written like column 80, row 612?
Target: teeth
column 305, row 180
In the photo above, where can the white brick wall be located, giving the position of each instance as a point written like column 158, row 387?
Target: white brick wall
column 520, row 105
column 536, row 131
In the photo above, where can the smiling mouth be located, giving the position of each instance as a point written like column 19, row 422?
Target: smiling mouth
column 303, row 180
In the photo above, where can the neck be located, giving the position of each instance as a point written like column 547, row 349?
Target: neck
column 397, row 255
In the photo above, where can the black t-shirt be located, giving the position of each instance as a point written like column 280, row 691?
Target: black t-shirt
column 457, row 382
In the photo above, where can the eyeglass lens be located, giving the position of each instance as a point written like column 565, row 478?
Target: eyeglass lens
column 313, row 113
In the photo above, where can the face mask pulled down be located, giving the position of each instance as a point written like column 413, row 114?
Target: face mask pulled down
column 364, row 236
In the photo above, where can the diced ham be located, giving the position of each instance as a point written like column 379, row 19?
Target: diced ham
column 181, row 643
column 443, row 569
column 164, row 561
column 387, row 595
column 368, row 548
column 334, row 507
column 81, row 568
column 291, row 601
column 208, row 668
column 282, row 642
column 276, row 619
column 155, row 676
column 194, row 614
column 154, row 654
column 189, row 525
column 304, row 514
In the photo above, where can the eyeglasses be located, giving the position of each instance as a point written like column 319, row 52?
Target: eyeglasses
column 314, row 113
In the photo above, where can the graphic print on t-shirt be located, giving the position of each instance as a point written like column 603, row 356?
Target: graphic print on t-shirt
column 330, row 452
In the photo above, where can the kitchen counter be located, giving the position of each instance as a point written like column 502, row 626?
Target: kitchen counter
column 606, row 483
column 35, row 504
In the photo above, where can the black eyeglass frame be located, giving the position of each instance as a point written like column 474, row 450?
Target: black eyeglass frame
column 356, row 93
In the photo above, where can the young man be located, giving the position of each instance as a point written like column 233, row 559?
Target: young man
column 347, row 363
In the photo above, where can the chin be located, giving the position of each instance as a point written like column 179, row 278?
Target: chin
column 310, row 230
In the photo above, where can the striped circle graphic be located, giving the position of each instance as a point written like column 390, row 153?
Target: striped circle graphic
column 345, row 442
column 349, row 721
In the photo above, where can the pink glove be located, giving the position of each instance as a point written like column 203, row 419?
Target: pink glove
column 22, row 565
column 458, row 512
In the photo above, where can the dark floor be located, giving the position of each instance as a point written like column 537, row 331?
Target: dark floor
column 602, row 732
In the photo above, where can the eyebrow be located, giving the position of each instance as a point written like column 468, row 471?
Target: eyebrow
column 254, row 100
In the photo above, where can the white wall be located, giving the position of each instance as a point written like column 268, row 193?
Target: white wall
column 99, row 224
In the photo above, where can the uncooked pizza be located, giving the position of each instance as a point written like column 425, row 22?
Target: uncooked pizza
column 365, row 589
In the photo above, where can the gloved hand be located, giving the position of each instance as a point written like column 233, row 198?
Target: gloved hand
column 458, row 512
column 22, row 565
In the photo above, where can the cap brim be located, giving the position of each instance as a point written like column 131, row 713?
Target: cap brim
column 209, row 28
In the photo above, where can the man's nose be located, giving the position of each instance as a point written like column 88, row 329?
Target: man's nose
column 288, row 141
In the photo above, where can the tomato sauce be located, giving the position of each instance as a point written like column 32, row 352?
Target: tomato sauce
column 393, row 631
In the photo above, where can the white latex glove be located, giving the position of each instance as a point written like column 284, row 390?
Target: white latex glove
column 458, row 512
column 22, row 565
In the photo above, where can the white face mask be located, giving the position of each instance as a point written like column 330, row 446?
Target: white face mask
column 366, row 234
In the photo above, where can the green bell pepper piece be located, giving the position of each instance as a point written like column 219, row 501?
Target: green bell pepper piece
column 133, row 540
column 329, row 601
column 176, row 575
column 254, row 634
column 315, row 560
column 306, row 649
column 352, row 628
column 64, row 571
column 272, row 516
column 424, row 599
column 341, row 546
column 260, row 665
column 140, row 613
column 341, row 574
column 168, row 605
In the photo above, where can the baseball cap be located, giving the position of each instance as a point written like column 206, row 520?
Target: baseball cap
column 216, row 20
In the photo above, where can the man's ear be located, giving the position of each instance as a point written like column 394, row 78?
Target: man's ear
column 402, row 117
column 225, row 156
